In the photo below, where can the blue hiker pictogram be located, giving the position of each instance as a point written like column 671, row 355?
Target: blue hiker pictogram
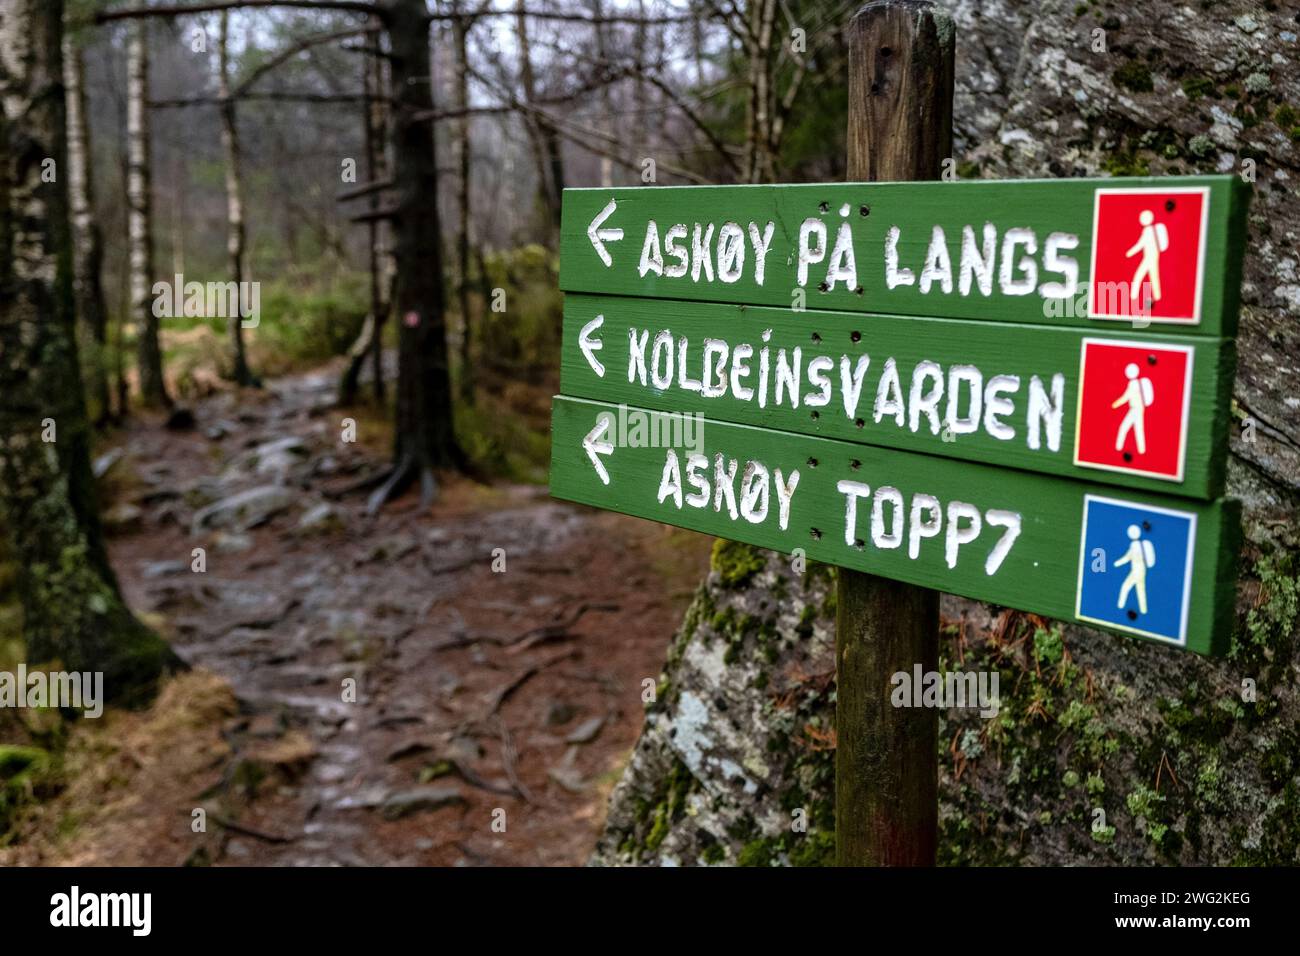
column 1135, row 565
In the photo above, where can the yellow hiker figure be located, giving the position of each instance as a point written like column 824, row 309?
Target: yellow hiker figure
column 1140, row 557
column 1153, row 241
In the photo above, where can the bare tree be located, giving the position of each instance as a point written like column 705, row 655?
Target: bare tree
column 153, row 388
column 235, row 232
column 759, row 153
column 601, row 30
column 87, row 244
column 72, row 610
column 546, row 138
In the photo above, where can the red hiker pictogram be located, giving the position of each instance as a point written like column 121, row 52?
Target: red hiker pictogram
column 1148, row 251
column 1133, row 405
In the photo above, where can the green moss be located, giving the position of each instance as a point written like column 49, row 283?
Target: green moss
column 1142, row 802
column 1134, row 76
column 760, row 852
column 1198, row 86
column 670, row 807
column 736, row 563
column 25, row 773
column 433, row 771
column 713, row 853
column 15, row 759
column 813, row 849
column 1049, row 646
column 1270, row 624
column 1209, row 784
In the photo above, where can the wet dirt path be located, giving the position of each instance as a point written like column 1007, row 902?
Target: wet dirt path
column 401, row 701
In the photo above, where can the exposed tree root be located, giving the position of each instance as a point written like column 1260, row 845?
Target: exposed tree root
column 399, row 479
column 396, row 482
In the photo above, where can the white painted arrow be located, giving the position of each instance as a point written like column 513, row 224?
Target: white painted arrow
column 590, row 346
column 599, row 236
column 597, row 446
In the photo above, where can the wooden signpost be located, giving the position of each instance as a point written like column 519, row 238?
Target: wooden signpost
column 1013, row 391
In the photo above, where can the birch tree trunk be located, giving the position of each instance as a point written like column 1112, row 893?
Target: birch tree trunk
column 760, row 164
column 460, row 27
column 235, row 231
column 72, row 610
column 87, row 246
column 153, row 388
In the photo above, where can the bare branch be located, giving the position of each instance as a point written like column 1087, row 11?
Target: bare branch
column 360, row 6
column 291, row 51
column 365, row 189
column 374, row 215
column 721, row 148
column 589, row 86
column 583, row 136
column 269, row 95
column 185, row 9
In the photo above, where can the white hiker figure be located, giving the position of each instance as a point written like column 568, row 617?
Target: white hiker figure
column 1153, row 241
column 1138, row 395
column 1140, row 557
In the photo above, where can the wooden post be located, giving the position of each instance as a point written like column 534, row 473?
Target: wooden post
column 886, row 758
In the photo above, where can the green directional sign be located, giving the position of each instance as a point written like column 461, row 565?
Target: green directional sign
column 990, row 392
column 1013, row 391
column 1042, row 544
column 1157, row 252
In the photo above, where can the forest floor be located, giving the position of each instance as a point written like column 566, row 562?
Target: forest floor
column 493, row 709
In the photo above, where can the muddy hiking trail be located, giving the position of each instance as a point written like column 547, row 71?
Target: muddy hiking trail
column 493, row 708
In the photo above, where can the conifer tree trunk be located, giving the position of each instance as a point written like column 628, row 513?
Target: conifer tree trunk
column 424, row 437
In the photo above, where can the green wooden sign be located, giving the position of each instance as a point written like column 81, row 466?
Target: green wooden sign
column 1156, row 567
column 1158, row 254
column 1013, row 391
column 1037, row 398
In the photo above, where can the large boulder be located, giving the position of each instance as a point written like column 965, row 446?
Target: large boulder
column 1105, row 749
